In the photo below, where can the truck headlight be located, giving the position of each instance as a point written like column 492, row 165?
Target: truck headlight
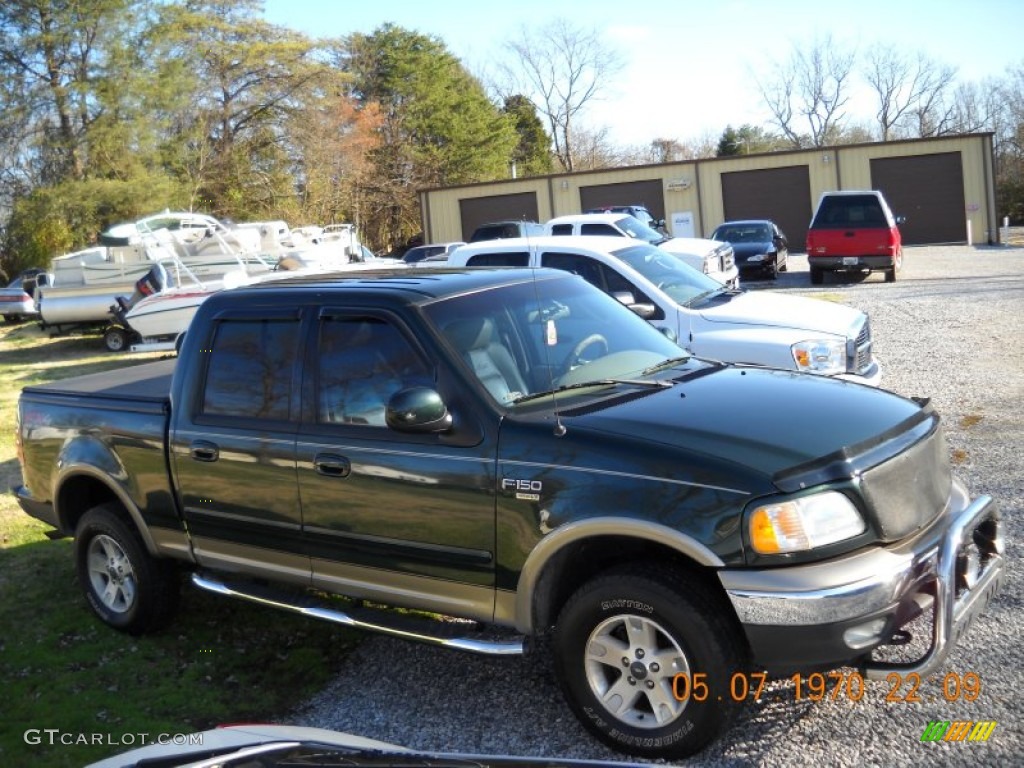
column 823, row 356
column 805, row 523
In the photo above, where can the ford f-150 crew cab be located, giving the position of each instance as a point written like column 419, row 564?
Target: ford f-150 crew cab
column 516, row 448
column 710, row 320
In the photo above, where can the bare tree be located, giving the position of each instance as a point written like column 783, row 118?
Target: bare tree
column 973, row 108
column 561, row 68
column 906, row 86
column 811, row 87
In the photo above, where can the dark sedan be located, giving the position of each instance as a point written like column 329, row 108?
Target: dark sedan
column 760, row 246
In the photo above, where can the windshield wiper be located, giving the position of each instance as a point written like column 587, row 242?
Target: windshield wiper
column 657, row 384
column 671, row 362
column 707, row 295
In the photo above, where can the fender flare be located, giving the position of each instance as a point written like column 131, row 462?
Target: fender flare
column 577, row 531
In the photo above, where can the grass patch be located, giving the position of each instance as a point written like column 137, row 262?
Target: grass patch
column 219, row 661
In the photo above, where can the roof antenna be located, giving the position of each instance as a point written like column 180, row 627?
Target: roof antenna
column 550, row 334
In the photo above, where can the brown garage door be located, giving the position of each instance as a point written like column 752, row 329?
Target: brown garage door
column 646, row 193
column 780, row 194
column 481, row 210
column 929, row 191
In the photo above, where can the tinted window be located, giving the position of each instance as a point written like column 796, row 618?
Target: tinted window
column 251, row 368
column 638, row 230
column 841, row 211
column 561, row 229
column 595, row 273
column 599, row 229
column 421, row 252
column 363, row 362
column 513, row 259
column 586, row 268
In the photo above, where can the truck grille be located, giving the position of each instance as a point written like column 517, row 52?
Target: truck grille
column 858, row 349
column 909, row 490
column 726, row 258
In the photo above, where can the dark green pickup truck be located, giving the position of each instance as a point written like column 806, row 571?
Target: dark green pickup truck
column 516, row 449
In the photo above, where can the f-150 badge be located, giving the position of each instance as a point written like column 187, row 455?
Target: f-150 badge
column 527, row 490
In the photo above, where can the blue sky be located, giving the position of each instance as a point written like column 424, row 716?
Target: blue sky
column 690, row 66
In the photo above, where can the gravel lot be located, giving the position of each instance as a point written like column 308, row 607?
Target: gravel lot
column 950, row 328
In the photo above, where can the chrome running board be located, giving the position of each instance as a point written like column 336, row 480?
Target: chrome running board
column 408, row 627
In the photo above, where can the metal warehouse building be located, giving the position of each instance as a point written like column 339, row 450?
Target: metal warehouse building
column 944, row 187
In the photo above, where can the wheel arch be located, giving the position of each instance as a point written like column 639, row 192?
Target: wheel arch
column 83, row 487
column 570, row 556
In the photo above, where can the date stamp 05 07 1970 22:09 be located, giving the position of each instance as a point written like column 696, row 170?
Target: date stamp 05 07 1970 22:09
column 820, row 686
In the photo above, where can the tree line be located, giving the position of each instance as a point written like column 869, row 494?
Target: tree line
column 114, row 109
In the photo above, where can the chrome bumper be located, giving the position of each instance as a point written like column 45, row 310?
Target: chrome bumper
column 954, row 570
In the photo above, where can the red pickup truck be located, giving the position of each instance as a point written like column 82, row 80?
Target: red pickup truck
column 854, row 231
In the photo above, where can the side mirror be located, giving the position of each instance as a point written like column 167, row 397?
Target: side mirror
column 646, row 311
column 624, row 297
column 417, row 409
column 670, row 334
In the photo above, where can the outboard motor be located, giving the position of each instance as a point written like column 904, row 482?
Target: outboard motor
column 152, row 282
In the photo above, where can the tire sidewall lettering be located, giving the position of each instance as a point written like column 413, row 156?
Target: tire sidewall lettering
column 624, row 603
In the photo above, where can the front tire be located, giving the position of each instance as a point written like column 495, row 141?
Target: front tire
column 618, row 645
column 125, row 586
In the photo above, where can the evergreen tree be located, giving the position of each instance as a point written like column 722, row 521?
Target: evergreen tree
column 437, row 125
column 532, row 154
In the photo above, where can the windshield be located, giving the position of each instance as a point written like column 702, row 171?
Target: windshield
column 638, row 230
column 680, row 282
column 541, row 335
column 753, row 233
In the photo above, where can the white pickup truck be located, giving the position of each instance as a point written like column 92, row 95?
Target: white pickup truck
column 714, row 258
column 704, row 316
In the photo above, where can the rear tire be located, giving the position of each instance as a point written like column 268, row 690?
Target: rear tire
column 618, row 645
column 817, row 275
column 125, row 586
column 890, row 275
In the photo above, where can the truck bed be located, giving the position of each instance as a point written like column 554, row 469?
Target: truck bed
column 147, row 383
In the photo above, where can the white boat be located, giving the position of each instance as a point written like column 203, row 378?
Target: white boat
column 160, row 317
column 85, row 284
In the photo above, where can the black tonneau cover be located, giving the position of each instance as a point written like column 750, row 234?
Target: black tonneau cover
column 150, row 382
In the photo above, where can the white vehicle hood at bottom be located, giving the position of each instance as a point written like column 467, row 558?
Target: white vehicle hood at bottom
column 791, row 312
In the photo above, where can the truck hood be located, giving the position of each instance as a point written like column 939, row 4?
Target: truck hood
column 764, row 420
column 771, row 310
column 694, row 246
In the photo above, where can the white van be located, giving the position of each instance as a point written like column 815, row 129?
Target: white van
column 704, row 316
column 714, row 258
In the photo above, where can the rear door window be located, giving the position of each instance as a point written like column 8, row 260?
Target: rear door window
column 251, row 370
